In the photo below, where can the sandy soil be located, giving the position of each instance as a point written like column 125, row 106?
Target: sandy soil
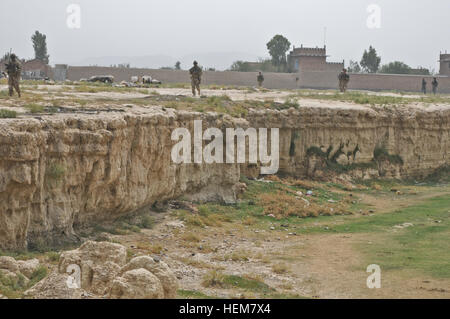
column 49, row 92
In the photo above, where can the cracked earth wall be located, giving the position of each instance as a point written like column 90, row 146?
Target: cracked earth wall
column 60, row 172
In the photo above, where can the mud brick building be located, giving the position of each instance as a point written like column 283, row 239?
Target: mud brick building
column 311, row 59
column 445, row 64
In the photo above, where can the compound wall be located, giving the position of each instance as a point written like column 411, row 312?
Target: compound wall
column 306, row 79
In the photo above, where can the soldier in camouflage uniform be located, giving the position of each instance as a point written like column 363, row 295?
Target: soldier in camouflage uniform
column 344, row 78
column 424, row 86
column 260, row 79
column 434, row 85
column 13, row 68
column 196, row 77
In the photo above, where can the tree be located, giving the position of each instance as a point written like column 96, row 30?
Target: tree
column 5, row 57
column 354, row 67
column 370, row 61
column 396, row 67
column 240, row 66
column 421, row 71
column 40, row 47
column 278, row 47
column 178, row 65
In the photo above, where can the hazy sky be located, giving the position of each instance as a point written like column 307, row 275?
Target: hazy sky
column 413, row 31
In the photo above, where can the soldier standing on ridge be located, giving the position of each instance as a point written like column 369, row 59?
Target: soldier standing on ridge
column 424, row 86
column 196, row 77
column 434, row 85
column 344, row 78
column 260, row 79
column 13, row 68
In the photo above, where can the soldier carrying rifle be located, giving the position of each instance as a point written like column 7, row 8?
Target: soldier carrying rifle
column 13, row 69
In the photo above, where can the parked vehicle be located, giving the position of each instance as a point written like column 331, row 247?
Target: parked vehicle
column 101, row 78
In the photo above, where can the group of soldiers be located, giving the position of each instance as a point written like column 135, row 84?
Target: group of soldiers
column 196, row 78
column 434, row 86
column 13, row 71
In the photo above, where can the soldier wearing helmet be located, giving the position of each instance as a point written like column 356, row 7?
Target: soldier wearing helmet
column 344, row 78
column 196, row 78
column 13, row 69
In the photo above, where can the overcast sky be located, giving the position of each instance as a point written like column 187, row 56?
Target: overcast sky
column 413, row 31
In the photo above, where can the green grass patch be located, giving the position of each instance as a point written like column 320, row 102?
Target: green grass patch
column 34, row 108
column 14, row 288
column 7, row 114
column 218, row 280
column 193, row 294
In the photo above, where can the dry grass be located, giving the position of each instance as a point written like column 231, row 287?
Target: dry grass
column 214, row 278
column 249, row 220
column 236, row 256
column 190, row 237
column 198, row 263
column 280, row 268
column 151, row 248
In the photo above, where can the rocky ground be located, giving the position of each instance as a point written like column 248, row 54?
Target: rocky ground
column 252, row 250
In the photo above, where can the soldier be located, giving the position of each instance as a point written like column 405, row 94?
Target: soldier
column 344, row 78
column 424, row 86
column 260, row 79
column 196, row 77
column 13, row 68
column 434, row 84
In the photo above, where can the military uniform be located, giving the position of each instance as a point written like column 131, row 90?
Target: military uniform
column 434, row 85
column 196, row 78
column 424, row 86
column 344, row 78
column 13, row 68
column 260, row 79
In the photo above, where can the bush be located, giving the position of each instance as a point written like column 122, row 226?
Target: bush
column 381, row 154
column 7, row 114
column 34, row 108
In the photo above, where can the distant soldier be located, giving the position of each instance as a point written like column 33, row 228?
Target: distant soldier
column 424, row 86
column 260, row 79
column 196, row 77
column 434, row 85
column 344, row 78
column 13, row 68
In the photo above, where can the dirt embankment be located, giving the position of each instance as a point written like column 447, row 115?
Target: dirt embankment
column 62, row 171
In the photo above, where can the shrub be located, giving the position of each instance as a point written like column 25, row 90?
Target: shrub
column 381, row 154
column 5, row 114
column 34, row 108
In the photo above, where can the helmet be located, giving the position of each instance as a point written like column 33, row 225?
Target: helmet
column 13, row 56
column 195, row 62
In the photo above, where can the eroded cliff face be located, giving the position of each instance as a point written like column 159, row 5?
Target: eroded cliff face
column 360, row 142
column 64, row 171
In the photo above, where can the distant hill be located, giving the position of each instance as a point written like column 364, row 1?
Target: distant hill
column 217, row 60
